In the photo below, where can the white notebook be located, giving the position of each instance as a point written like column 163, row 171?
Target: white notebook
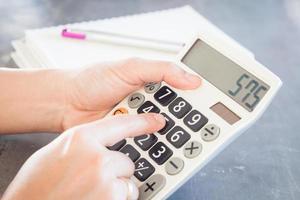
column 45, row 48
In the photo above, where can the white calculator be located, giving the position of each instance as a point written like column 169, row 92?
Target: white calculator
column 235, row 91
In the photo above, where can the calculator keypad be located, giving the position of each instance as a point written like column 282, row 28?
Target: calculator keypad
column 131, row 152
column 178, row 136
column 180, row 107
column 143, row 169
column 145, row 141
column 165, row 95
column 160, row 153
column 169, row 124
column 148, row 107
column 195, row 120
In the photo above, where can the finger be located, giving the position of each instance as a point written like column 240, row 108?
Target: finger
column 124, row 167
column 111, row 130
column 140, row 71
column 125, row 189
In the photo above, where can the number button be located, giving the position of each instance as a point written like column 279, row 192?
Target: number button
column 179, row 107
column 151, row 187
column 160, row 153
column 143, row 169
column 145, row 141
column 135, row 100
column 151, row 87
column 117, row 146
column 169, row 124
column 148, row 107
column 210, row 132
column 178, row 137
column 129, row 151
column 195, row 120
column 165, row 95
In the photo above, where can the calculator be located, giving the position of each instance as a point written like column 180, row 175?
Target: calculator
column 235, row 91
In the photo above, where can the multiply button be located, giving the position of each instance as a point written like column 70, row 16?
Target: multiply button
column 151, row 187
column 135, row 100
column 174, row 166
column 152, row 87
column 192, row 149
column 210, row 132
column 143, row 169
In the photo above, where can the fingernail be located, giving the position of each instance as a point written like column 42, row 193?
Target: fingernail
column 159, row 118
column 192, row 78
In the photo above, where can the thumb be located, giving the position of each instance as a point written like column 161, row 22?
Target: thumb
column 111, row 130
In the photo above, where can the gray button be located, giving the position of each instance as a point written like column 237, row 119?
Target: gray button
column 151, row 187
column 135, row 100
column 210, row 132
column 192, row 149
column 152, row 87
column 174, row 166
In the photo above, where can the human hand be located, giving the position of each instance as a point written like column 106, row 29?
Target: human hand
column 77, row 165
column 95, row 90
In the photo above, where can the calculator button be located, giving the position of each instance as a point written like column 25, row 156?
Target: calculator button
column 117, row 146
column 165, row 95
column 210, row 132
column 120, row 111
column 129, row 151
column 145, row 141
column 152, row 87
column 180, row 107
column 174, row 166
column 143, row 169
column 195, row 120
column 178, row 137
column 192, row 149
column 169, row 124
column 135, row 100
column 151, row 187
column 160, row 153
column 148, row 107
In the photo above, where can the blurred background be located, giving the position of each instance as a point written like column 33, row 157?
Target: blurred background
column 264, row 163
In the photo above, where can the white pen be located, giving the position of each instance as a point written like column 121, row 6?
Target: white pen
column 122, row 39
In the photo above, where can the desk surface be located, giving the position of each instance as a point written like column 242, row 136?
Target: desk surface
column 264, row 163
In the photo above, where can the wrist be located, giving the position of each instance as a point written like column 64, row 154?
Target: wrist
column 32, row 100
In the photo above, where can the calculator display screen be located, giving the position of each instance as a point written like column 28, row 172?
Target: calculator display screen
column 240, row 85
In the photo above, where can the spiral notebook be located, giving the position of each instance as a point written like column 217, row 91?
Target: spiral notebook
column 46, row 48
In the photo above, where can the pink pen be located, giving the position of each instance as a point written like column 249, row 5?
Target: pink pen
column 122, row 39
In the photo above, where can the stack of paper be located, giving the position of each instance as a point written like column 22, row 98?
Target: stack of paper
column 45, row 48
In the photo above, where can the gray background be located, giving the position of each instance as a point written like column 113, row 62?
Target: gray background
column 264, row 163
